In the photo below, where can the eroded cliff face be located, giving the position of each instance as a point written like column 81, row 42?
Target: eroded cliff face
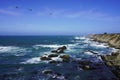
column 112, row 39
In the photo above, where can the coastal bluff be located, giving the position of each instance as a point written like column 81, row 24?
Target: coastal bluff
column 113, row 40
column 113, row 60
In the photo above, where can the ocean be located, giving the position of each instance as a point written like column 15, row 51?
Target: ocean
column 20, row 58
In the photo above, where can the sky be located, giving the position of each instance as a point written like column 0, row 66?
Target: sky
column 59, row 17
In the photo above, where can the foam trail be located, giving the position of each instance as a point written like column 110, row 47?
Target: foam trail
column 34, row 60
column 49, row 46
column 11, row 49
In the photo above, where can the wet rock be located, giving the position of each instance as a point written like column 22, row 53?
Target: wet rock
column 54, row 51
column 62, row 48
column 65, row 57
column 47, row 71
column 53, row 55
column 59, row 50
column 45, row 58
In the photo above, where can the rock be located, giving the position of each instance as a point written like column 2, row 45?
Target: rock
column 65, row 57
column 52, row 55
column 62, row 48
column 47, row 71
column 45, row 58
column 87, row 67
column 54, row 51
column 112, row 39
column 59, row 50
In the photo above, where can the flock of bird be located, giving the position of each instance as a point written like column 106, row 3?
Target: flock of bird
column 32, row 10
column 18, row 7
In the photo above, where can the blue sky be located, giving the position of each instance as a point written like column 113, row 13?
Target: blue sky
column 59, row 17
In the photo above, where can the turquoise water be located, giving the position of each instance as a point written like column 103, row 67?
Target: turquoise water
column 20, row 58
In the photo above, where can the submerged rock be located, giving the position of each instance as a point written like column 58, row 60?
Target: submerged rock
column 53, row 55
column 45, row 58
column 48, row 71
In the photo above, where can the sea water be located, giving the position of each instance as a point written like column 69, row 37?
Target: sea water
column 20, row 57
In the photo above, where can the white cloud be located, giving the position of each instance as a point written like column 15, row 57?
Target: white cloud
column 91, row 14
column 9, row 12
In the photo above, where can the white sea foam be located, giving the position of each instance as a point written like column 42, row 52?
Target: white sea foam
column 34, row 60
column 11, row 49
column 98, row 45
column 79, row 37
column 49, row 46
column 114, row 50
column 88, row 53
column 56, row 59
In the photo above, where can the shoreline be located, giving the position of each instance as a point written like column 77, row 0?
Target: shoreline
column 113, row 60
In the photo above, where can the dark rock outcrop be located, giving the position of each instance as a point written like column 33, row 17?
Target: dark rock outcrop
column 59, row 50
column 65, row 57
column 52, row 55
column 45, row 58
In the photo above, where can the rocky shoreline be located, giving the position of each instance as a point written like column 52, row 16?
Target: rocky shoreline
column 58, row 57
column 113, row 60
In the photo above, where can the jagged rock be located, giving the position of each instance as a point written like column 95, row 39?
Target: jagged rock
column 112, row 39
column 54, row 51
column 52, row 55
column 47, row 71
column 59, row 50
column 63, row 48
column 65, row 57
column 45, row 58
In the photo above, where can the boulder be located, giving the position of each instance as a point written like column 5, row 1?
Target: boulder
column 59, row 50
column 52, row 55
column 45, row 58
column 65, row 57
column 54, row 51
column 62, row 48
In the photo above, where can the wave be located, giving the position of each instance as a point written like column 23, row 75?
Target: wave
column 11, row 49
column 99, row 45
column 48, row 46
column 88, row 53
column 55, row 45
column 79, row 37
column 34, row 60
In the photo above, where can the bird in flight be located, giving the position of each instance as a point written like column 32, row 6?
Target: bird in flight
column 30, row 9
column 16, row 7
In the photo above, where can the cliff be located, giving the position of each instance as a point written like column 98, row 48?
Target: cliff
column 113, row 60
column 112, row 39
